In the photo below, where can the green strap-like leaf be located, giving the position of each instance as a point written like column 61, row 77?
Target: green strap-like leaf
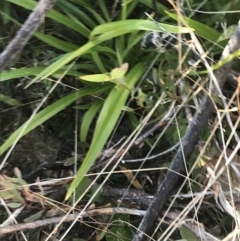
column 88, row 118
column 200, row 29
column 49, row 112
column 107, row 120
column 130, row 25
column 108, row 31
column 24, row 72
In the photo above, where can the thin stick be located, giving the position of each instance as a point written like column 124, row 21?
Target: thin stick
column 34, row 20
column 70, row 217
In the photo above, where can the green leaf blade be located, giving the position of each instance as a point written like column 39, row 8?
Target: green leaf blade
column 108, row 117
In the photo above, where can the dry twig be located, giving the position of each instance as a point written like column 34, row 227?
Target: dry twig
column 34, row 20
column 70, row 217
